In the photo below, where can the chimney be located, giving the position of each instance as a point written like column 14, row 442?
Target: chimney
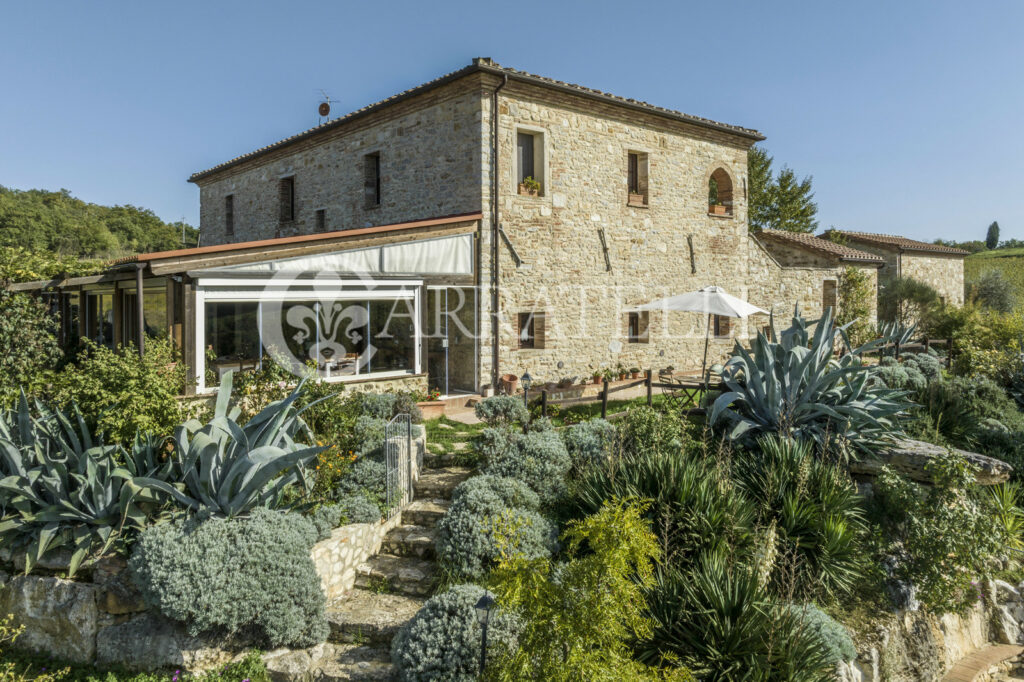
column 483, row 61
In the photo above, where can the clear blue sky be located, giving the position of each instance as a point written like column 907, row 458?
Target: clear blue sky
column 907, row 114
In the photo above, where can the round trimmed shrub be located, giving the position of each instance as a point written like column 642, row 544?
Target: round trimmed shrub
column 483, row 507
column 495, row 442
column 369, row 433
column 367, row 476
column 405, row 403
column 442, row 641
column 590, row 443
column 928, row 364
column 358, row 508
column 501, row 410
column 645, row 429
column 539, row 460
column 377, row 405
column 325, row 519
column 251, row 575
column 833, row 637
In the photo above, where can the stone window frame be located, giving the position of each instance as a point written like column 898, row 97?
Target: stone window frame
column 531, row 330
column 640, row 332
column 721, row 327
column 730, row 193
column 540, row 158
column 320, row 219
column 229, row 215
column 373, row 190
column 642, row 180
column 286, row 211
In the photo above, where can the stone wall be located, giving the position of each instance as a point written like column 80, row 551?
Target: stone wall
column 782, row 276
column 430, row 167
column 565, row 274
column 944, row 273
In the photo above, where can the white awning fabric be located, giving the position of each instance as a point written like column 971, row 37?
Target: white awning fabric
column 710, row 300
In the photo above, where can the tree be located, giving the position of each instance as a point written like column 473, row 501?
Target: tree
column 28, row 344
column 906, row 300
column 778, row 202
column 992, row 237
column 856, row 294
column 993, row 291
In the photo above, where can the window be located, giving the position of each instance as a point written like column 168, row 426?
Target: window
column 531, row 330
column 721, row 326
column 229, row 215
column 371, row 180
column 637, row 325
column 286, row 199
column 530, row 163
column 637, row 175
column 321, row 220
column 720, row 193
column 828, row 295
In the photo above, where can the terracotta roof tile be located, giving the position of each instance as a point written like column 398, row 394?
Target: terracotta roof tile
column 819, row 245
column 485, row 66
column 898, row 242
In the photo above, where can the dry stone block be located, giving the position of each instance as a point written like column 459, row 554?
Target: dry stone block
column 60, row 616
column 911, row 458
column 150, row 641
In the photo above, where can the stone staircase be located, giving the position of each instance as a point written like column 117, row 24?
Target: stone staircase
column 390, row 587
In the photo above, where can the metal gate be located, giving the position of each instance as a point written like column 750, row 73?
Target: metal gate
column 398, row 447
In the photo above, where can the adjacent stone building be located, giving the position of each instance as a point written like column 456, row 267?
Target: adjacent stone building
column 941, row 267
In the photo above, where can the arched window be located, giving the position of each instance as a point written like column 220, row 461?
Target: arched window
column 720, row 193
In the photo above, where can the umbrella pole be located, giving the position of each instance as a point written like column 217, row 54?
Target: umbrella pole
column 704, row 364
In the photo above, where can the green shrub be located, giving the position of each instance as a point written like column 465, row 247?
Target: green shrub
column 590, row 443
column 941, row 537
column 695, row 507
column 502, row 410
column 985, row 399
column 229, row 469
column 857, row 295
column 816, row 511
column 646, row 429
column 368, row 477
column 253, row 576
column 897, row 375
column 358, row 508
column 122, row 394
column 928, row 364
column 377, row 405
column 906, row 300
column 28, row 344
column 442, row 641
column 369, row 433
column 405, row 403
column 834, row 637
column 795, row 387
column 495, row 443
column 539, row 460
column 719, row 620
column 483, row 507
column 325, row 519
column 991, row 289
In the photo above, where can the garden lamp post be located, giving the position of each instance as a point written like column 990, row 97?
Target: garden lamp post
column 527, row 382
column 483, row 614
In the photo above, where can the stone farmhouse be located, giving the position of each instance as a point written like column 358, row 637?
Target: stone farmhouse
column 488, row 222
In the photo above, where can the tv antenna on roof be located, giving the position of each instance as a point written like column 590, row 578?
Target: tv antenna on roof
column 324, row 109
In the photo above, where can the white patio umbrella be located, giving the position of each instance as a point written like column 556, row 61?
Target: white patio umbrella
column 710, row 301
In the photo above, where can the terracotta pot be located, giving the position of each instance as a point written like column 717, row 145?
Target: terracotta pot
column 509, row 382
column 717, row 210
column 597, row 380
column 635, row 375
column 432, row 409
column 527, row 191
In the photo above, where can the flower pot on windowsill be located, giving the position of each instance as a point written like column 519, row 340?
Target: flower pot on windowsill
column 528, row 191
column 718, row 209
column 637, row 199
column 432, row 409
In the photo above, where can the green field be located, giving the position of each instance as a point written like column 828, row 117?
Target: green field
column 1009, row 261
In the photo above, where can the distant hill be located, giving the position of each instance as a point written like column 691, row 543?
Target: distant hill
column 1009, row 261
column 58, row 223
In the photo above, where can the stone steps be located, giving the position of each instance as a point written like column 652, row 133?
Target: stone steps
column 390, row 574
column 370, row 618
column 424, row 512
column 440, row 482
column 330, row 663
column 410, row 541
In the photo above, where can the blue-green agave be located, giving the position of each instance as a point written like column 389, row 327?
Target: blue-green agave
column 227, row 469
column 798, row 388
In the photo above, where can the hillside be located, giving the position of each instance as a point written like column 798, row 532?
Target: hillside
column 1009, row 261
column 58, row 223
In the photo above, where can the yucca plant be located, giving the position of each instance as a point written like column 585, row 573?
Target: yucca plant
column 797, row 388
column 228, row 469
column 62, row 489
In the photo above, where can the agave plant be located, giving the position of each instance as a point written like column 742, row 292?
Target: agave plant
column 61, row 489
column 797, row 388
column 228, row 469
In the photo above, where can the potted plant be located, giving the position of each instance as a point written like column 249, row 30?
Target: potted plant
column 610, row 374
column 636, row 199
column 432, row 406
column 529, row 186
column 717, row 209
column 621, row 371
column 597, row 376
column 509, row 382
column 634, row 372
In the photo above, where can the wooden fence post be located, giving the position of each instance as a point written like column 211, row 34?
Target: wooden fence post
column 949, row 352
column 544, row 403
column 604, row 400
column 650, row 389
column 927, row 344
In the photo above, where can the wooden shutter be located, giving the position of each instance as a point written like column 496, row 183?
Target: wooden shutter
column 371, row 180
column 527, row 327
column 643, row 326
column 524, row 153
column 286, row 199
column 539, row 329
column 634, row 174
column 321, row 220
column 722, row 326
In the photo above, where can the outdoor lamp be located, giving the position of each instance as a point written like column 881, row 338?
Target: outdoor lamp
column 527, row 382
column 483, row 614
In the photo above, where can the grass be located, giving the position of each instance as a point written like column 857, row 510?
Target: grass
column 1009, row 261
column 31, row 666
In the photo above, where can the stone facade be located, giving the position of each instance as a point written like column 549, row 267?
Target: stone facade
column 782, row 276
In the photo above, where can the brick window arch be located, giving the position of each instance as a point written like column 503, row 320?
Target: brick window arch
column 720, row 192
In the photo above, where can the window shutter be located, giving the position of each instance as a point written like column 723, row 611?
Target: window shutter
column 634, row 174
column 371, row 179
column 643, row 327
column 229, row 215
column 524, row 151
column 286, row 199
column 321, row 220
column 722, row 326
column 540, row 324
